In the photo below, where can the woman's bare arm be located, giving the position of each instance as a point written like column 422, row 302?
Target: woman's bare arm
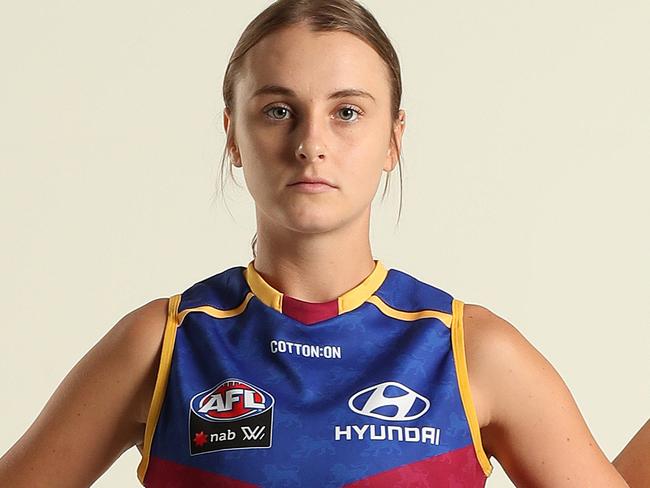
column 536, row 431
column 97, row 412
column 634, row 460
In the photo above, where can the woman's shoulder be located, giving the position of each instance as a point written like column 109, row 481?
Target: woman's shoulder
column 494, row 347
column 487, row 334
column 142, row 337
column 499, row 358
column 99, row 409
column 478, row 321
column 521, row 398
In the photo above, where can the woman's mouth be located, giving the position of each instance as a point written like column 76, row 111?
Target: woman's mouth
column 312, row 187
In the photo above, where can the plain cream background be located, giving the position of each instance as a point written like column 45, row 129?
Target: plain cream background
column 526, row 162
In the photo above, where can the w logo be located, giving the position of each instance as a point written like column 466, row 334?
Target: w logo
column 389, row 401
column 255, row 434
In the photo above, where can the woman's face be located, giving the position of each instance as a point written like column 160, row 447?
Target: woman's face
column 299, row 130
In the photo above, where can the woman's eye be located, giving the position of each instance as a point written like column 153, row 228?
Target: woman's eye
column 278, row 112
column 276, row 109
column 352, row 111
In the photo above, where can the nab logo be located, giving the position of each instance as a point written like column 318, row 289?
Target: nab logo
column 231, row 399
column 389, row 401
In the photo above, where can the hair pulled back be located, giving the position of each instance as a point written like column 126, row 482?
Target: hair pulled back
column 321, row 16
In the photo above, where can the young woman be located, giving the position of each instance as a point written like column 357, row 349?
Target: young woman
column 314, row 365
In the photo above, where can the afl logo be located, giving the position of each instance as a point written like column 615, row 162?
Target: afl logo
column 232, row 399
column 389, row 401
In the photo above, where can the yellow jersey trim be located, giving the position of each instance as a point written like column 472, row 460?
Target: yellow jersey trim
column 350, row 300
column 169, row 337
column 444, row 317
column 217, row 313
column 458, row 346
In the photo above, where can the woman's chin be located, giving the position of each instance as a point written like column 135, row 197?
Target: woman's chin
column 310, row 227
column 315, row 223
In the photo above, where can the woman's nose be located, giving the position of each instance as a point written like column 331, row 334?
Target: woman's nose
column 310, row 152
column 311, row 144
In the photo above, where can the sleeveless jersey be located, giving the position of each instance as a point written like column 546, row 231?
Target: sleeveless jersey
column 375, row 395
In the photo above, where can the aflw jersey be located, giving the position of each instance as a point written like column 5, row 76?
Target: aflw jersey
column 374, row 393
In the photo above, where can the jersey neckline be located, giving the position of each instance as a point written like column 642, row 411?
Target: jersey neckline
column 350, row 300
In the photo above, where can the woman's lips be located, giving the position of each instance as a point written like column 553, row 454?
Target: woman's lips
column 312, row 187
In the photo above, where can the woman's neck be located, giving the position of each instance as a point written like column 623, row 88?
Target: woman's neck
column 316, row 267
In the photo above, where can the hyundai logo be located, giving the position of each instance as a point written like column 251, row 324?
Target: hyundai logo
column 389, row 401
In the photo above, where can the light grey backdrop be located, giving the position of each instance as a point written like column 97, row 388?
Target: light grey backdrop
column 525, row 185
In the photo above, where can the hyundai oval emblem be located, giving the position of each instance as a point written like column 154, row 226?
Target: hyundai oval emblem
column 408, row 405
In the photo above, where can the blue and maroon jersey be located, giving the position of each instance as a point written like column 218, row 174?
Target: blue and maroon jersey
column 259, row 389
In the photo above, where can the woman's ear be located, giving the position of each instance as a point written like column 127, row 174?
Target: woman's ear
column 226, row 119
column 233, row 151
column 395, row 145
column 235, row 158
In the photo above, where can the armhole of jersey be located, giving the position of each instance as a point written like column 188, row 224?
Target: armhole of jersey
column 458, row 346
column 169, row 337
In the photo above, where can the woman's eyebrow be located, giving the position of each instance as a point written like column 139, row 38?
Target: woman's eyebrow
column 283, row 90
